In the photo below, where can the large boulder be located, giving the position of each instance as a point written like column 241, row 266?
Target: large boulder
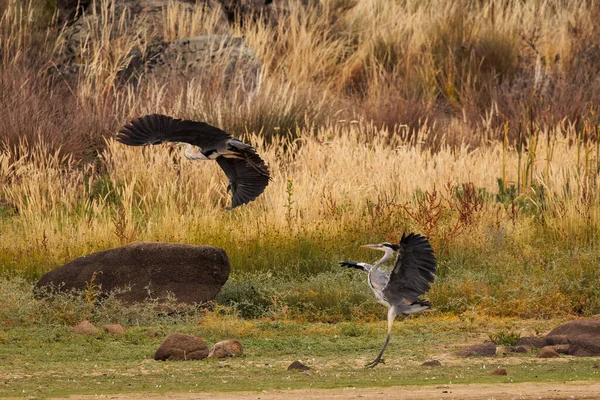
column 193, row 274
column 582, row 336
column 206, row 57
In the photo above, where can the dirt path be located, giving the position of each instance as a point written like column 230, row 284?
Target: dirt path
column 504, row 391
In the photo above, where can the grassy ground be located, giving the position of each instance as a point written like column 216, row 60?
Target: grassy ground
column 47, row 361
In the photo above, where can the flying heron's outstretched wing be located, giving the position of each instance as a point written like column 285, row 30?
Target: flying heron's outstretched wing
column 157, row 128
column 246, row 181
column 414, row 270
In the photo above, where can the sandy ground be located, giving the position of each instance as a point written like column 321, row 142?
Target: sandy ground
column 505, row 391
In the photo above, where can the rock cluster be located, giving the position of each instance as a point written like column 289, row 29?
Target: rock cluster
column 580, row 338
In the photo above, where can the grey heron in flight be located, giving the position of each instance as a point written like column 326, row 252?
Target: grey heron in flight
column 247, row 173
column 411, row 277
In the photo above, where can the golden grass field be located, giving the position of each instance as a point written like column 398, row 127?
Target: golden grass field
column 475, row 123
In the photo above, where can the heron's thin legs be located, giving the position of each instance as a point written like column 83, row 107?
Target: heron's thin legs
column 379, row 358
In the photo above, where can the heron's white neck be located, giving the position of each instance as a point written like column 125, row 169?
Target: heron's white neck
column 389, row 253
column 192, row 154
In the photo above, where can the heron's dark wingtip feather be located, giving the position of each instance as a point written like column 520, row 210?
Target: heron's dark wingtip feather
column 415, row 267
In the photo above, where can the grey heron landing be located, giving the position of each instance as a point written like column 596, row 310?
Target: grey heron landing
column 247, row 173
column 411, row 277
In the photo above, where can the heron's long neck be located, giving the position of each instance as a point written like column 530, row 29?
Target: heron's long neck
column 388, row 254
column 192, row 154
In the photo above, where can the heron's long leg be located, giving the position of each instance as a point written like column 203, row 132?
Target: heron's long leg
column 379, row 359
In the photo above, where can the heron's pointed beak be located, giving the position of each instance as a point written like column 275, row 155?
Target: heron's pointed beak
column 371, row 246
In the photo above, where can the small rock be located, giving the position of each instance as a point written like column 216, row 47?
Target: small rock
column 501, row 351
column 547, row 352
column 85, row 327
column 226, row 348
column 487, row 349
column 499, row 371
column 178, row 346
column 432, row 363
column 155, row 333
column 524, row 348
column 115, row 329
column 299, row 366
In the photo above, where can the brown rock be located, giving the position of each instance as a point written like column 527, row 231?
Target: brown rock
column 524, row 348
column 532, row 341
column 115, row 329
column 297, row 365
column 487, row 349
column 547, row 352
column 193, row 274
column 155, row 333
column 583, row 336
column 499, row 371
column 501, row 351
column 179, row 346
column 226, row 348
column 85, row 327
column 562, row 348
column 432, row 363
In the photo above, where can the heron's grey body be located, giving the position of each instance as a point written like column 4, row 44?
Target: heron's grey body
column 247, row 173
column 411, row 277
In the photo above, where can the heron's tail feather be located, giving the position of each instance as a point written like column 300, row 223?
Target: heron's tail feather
column 421, row 303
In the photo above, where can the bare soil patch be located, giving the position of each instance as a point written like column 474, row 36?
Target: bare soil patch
column 503, row 391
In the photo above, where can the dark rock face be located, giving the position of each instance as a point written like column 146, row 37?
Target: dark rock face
column 582, row 336
column 209, row 57
column 487, row 349
column 178, row 346
column 193, row 274
column 532, row 341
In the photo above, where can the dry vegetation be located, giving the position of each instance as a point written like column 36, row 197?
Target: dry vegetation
column 475, row 123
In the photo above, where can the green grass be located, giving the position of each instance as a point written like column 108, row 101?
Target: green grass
column 52, row 361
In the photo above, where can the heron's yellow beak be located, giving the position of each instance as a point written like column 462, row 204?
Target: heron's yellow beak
column 371, row 246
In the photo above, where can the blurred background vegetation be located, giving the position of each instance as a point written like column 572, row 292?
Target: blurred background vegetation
column 473, row 122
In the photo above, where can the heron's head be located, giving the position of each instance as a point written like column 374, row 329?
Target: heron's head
column 385, row 246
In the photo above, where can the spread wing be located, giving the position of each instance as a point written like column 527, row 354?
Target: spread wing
column 414, row 270
column 356, row 265
column 246, row 181
column 157, row 128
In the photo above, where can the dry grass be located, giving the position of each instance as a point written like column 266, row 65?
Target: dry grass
column 475, row 123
